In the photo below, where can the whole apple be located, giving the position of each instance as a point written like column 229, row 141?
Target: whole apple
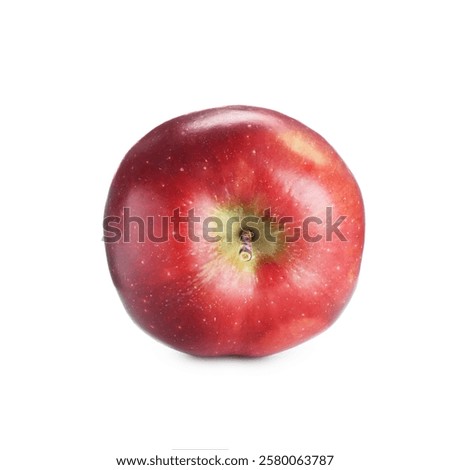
column 234, row 231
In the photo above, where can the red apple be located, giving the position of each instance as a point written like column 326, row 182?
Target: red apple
column 234, row 231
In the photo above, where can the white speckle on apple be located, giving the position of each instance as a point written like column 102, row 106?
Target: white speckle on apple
column 181, row 169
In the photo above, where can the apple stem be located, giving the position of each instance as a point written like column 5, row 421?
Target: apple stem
column 245, row 251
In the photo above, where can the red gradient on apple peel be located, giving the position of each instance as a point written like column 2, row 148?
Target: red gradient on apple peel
column 201, row 297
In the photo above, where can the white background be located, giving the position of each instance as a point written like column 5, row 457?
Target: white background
column 81, row 82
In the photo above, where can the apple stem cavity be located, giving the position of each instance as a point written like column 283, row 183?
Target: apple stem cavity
column 246, row 251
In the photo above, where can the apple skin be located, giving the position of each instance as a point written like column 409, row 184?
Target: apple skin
column 235, row 160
